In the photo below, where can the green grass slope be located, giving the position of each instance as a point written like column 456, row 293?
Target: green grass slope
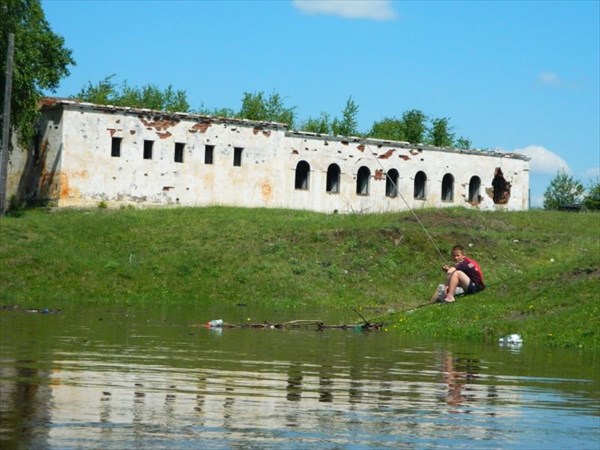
column 542, row 268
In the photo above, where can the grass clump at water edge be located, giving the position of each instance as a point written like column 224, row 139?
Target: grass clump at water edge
column 542, row 267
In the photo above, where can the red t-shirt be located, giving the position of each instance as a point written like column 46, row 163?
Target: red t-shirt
column 472, row 269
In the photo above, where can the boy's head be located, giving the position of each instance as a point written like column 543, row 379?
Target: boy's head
column 458, row 253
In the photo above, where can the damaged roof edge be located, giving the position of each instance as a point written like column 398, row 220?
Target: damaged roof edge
column 54, row 102
column 50, row 103
column 404, row 145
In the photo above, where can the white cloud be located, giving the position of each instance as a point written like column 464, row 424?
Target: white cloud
column 592, row 173
column 543, row 160
column 350, row 9
column 549, row 79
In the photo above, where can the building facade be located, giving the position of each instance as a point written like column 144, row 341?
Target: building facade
column 87, row 154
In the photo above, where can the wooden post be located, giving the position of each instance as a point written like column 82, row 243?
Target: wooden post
column 6, row 124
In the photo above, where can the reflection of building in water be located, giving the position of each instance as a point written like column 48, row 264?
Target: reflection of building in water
column 135, row 399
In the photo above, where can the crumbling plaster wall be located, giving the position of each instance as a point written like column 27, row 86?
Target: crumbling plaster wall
column 382, row 156
column 88, row 174
column 94, row 175
column 34, row 172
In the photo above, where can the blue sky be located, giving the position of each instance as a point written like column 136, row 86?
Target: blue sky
column 520, row 76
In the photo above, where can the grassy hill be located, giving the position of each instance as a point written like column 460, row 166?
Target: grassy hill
column 542, row 268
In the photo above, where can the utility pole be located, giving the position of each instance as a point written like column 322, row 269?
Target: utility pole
column 6, row 124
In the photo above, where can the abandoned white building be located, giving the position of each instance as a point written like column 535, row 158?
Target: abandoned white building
column 87, row 154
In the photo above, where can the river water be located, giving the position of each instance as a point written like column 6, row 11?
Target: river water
column 119, row 377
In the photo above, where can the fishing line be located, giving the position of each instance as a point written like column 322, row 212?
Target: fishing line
column 399, row 192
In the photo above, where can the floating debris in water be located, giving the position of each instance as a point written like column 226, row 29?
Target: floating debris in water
column 512, row 340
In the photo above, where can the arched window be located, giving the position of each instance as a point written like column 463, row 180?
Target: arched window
column 302, row 174
column 333, row 179
column 420, row 182
column 474, row 186
column 448, row 188
column 391, row 183
column 362, row 181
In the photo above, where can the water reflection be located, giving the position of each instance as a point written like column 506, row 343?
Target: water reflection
column 157, row 387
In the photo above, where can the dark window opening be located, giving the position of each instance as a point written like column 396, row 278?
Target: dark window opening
column 362, row 181
column 209, row 150
column 333, row 179
column 391, row 183
column 179, row 152
column 302, row 175
column 420, row 182
column 448, row 188
column 237, row 156
column 115, row 149
column 501, row 188
column 474, row 187
column 148, row 149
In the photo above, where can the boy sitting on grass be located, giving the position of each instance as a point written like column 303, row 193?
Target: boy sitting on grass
column 465, row 277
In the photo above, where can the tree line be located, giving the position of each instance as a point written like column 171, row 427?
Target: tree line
column 413, row 126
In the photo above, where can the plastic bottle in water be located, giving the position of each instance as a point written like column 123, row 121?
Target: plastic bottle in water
column 512, row 339
column 214, row 323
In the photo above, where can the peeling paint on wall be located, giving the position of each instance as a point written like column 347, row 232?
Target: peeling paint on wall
column 158, row 123
column 387, row 154
column 258, row 130
column 266, row 190
column 201, row 127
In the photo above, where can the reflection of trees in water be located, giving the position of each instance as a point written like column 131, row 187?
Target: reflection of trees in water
column 26, row 405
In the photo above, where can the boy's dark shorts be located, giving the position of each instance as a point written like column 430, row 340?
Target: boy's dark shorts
column 474, row 288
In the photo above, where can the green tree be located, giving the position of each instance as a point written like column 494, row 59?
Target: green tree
column 563, row 190
column 592, row 199
column 463, row 143
column 216, row 112
column 106, row 92
column 389, row 128
column 40, row 61
column 348, row 124
column 319, row 125
column 102, row 93
column 414, row 126
column 440, row 134
column 255, row 106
